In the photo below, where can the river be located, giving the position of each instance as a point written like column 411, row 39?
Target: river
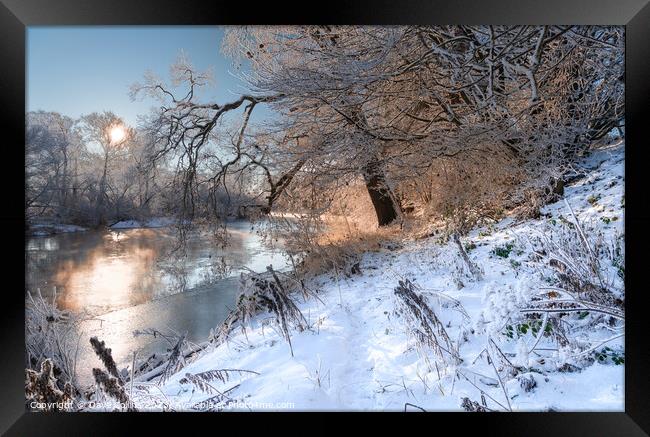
column 130, row 280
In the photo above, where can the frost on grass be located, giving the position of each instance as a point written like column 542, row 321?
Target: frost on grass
column 424, row 325
column 42, row 387
column 52, row 343
column 538, row 325
column 259, row 293
column 522, row 315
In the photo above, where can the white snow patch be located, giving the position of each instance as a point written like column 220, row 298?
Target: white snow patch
column 358, row 356
column 157, row 222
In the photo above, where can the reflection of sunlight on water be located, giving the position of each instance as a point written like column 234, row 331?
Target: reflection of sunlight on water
column 110, row 274
column 104, row 271
column 117, row 236
column 107, row 281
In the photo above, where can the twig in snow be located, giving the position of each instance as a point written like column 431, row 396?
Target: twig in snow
column 408, row 404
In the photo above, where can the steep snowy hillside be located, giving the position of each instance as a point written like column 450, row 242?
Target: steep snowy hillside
column 455, row 335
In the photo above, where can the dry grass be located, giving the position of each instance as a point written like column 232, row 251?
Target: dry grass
column 451, row 196
column 424, row 325
column 341, row 243
column 54, row 335
column 260, row 293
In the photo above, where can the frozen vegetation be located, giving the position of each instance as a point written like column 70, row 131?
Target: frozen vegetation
column 51, row 228
column 450, row 210
column 365, row 346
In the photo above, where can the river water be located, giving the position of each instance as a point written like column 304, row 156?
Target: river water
column 130, row 280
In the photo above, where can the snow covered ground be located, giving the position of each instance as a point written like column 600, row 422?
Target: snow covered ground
column 157, row 222
column 44, row 229
column 359, row 354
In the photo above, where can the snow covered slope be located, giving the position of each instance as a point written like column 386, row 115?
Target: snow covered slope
column 360, row 353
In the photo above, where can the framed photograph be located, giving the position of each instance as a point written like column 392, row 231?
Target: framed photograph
column 425, row 208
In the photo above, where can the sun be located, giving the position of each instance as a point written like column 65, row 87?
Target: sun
column 117, row 134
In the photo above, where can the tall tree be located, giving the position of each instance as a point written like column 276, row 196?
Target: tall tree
column 52, row 147
column 383, row 103
column 109, row 134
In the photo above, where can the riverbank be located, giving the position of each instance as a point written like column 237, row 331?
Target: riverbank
column 156, row 222
column 45, row 229
column 127, row 280
column 361, row 352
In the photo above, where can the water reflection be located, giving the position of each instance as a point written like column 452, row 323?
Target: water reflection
column 103, row 271
column 133, row 280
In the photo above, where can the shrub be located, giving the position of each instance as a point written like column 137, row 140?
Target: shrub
column 608, row 355
column 593, row 199
column 503, row 251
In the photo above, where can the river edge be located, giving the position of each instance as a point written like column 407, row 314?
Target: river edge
column 359, row 351
column 192, row 311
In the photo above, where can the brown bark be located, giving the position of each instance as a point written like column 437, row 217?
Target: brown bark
column 381, row 196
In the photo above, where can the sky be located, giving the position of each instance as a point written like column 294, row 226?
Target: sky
column 78, row 70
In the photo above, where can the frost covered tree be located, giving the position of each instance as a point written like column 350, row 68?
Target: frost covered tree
column 385, row 104
column 51, row 166
column 89, row 171
column 394, row 99
column 109, row 134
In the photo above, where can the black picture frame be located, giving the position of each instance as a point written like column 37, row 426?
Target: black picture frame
column 16, row 15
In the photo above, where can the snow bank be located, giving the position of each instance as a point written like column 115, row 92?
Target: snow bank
column 44, row 229
column 157, row 222
column 358, row 355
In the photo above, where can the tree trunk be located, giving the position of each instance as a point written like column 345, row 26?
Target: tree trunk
column 99, row 206
column 381, row 196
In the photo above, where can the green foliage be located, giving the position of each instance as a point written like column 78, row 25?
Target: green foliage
column 487, row 232
column 620, row 267
column 503, row 251
column 533, row 326
column 608, row 355
column 470, row 246
column 608, row 220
